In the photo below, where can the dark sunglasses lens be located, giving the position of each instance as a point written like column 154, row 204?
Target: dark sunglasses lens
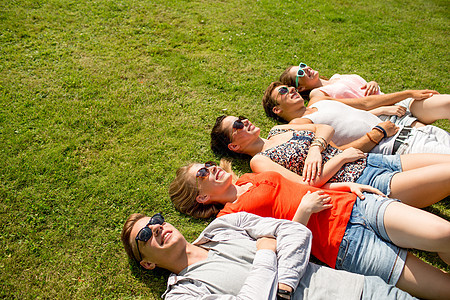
column 300, row 72
column 210, row 164
column 202, row 172
column 302, row 65
column 283, row 90
column 157, row 219
column 238, row 124
column 145, row 234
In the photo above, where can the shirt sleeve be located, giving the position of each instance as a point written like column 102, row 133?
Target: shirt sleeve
column 293, row 243
column 261, row 283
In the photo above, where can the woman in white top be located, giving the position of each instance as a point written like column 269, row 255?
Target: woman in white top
column 344, row 88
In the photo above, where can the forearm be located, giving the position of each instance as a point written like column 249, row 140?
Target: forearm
column 337, row 186
column 329, row 169
column 365, row 143
column 261, row 283
column 301, row 216
column 374, row 101
column 324, row 131
column 377, row 111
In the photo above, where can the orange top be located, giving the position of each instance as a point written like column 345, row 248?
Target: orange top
column 272, row 195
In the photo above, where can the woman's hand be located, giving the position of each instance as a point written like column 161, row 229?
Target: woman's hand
column 351, row 154
column 313, row 164
column 371, row 88
column 389, row 127
column 422, row 94
column 358, row 189
column 315, row 202
column 268, row 243
column 393, row 110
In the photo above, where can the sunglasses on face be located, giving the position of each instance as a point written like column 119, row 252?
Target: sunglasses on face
column 238, row 123
column 283, row 90
column 300, row 73
column 203, row 172
column 146, row 233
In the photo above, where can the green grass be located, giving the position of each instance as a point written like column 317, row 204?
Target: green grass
column 101, row 101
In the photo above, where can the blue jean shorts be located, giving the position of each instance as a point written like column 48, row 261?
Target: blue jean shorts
column 379, row 171
column 366, row 248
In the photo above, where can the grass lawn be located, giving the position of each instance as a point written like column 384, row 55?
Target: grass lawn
column 101, row 102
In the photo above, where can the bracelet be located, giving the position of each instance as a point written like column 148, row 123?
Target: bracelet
column 323, row 139
column 371, row 139
column 283, row 295
column 324, row 145
column 381, row 129
column 317, row 144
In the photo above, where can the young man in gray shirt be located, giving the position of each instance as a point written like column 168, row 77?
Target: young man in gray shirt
column 244, row 256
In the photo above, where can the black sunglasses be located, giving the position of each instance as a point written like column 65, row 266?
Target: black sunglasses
column 146, row 233
column 203, row 172
column 283, row 90
column 238, row 123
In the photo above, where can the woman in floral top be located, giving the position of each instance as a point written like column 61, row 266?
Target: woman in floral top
column 302, row 153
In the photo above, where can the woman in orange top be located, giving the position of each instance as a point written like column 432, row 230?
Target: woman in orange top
column 366, row 237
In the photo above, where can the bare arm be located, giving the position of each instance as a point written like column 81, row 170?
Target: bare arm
column 260, row 163
column 374, row 101
column 323, row 135
column 391, row 110
column 364, row 143
column 311, row 203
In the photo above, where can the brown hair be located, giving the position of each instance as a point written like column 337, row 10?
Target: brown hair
column 286, row 78
column 289, row 80
column 125, row 235
column 220, row 139
column 269, row 102
column 183, row 192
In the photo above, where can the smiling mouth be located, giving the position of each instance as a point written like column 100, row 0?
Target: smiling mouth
column 165, row 236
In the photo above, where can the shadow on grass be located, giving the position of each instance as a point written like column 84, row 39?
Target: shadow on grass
column 155, row 280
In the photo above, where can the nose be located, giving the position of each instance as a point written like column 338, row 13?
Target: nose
column 213, row 169
column 156, row 229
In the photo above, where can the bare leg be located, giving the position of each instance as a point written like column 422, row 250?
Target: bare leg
column 431, row 109
column 419, row 160
column 422, row 187
column 423, row 280
column 409, row 227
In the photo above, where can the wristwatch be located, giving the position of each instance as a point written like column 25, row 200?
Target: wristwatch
column 283, row 295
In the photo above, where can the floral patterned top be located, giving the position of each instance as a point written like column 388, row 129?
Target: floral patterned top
column 292, row 155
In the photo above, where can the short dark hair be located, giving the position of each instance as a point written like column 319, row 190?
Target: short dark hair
column 269, row 102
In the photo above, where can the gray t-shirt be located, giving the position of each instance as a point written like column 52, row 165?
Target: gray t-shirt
column 234, row 259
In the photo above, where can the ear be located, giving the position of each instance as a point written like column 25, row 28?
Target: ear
column 203, row 199
column 147, row 265
column 276, row 110
column 233, row 147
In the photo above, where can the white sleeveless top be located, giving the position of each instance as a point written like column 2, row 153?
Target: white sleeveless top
column 349, row 123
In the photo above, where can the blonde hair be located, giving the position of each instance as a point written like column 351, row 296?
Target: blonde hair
column 183, row 192
column 125, row 236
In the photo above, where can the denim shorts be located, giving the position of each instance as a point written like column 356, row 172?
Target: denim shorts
column 379, row 171
column 366, row 248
